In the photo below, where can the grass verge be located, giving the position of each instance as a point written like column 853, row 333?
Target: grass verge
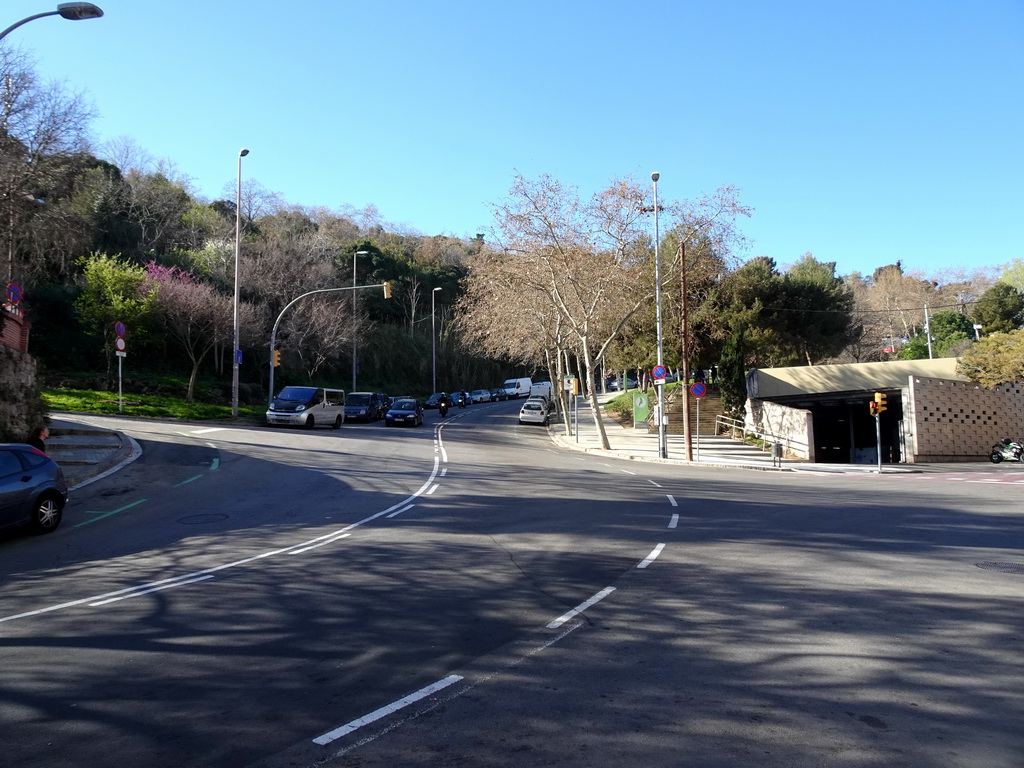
column 152, row 406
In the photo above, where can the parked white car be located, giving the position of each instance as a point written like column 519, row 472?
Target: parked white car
column 480, row 396
column 548, row 407
column 533, row 412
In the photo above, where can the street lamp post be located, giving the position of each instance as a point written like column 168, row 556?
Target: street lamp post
column 70, row 11
column 236, row 352
column 433, row 343
column 354, row 363
column 662, row 443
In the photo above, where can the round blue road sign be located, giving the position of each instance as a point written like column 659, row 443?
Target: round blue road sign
column 659, row 372
column 698, row 390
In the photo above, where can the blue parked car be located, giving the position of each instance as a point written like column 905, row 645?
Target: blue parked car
column 32, row 489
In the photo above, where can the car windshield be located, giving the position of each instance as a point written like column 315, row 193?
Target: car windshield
column 404, row 405
column 297, row 394
column 363, row 399
column 531, row 407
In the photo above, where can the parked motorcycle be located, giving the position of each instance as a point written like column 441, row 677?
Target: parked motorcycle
column 1007, row 450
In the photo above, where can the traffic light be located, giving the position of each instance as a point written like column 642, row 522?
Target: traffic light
column 387, row 289
column 879, row 402
column 873, row 408
column 277, row 358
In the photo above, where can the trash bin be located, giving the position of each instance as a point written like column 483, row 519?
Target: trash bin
column 776, row 454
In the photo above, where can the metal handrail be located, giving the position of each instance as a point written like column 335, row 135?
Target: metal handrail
column 734, row 426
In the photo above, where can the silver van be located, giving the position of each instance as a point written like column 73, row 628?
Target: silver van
column 307, row 407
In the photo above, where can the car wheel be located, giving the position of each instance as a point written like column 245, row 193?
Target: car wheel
column 310, row 422
column 337, row 422
column 46, row 514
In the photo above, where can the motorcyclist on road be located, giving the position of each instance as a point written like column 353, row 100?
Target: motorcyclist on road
column 442, row 407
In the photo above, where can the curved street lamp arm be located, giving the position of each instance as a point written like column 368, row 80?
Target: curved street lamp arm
column 26, row 21
column 273, row 333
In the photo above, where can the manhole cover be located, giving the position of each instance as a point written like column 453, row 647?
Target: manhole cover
column 1004, row 567
column 202, row 519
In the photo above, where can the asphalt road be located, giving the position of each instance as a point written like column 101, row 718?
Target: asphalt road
column 471, row 596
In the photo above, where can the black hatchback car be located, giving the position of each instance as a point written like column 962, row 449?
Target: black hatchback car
column 32, row 488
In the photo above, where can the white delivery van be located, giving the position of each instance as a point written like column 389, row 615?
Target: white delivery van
column 542, row 388
column 516, row 388
column 307, row 407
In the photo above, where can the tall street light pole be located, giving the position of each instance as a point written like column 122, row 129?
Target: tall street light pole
column 236, row 352
column 433, row 343
column 354, row 359
column 662, row 443
column 71, row 11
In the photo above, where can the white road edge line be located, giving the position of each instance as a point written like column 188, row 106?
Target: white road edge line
column 208, row 431
column 396, row 513
column 284, row 550
column 581, row 608
column 384, row 711
column 651, row 557
column 627, row 471
column 153, row 589
column 323, row 543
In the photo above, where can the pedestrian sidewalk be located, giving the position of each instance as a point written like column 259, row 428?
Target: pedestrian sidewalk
column 86, row 453
column 708, row 450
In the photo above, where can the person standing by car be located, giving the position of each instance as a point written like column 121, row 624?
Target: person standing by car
column 38, row 436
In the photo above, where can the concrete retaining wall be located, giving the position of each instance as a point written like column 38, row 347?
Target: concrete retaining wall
column 793, row 426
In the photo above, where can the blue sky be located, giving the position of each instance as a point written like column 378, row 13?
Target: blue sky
column 863, row 133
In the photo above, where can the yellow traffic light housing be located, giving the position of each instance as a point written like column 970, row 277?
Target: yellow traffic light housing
column 873, row 408
column 277, row 358
column 387, row 289
column 880, row 399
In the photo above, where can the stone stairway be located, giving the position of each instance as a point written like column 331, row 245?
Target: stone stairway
column 84, row 452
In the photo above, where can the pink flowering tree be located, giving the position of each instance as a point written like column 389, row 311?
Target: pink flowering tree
column 194, row 314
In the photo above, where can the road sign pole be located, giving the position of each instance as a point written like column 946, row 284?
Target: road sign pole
column 698, row 429
column 120, row 394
